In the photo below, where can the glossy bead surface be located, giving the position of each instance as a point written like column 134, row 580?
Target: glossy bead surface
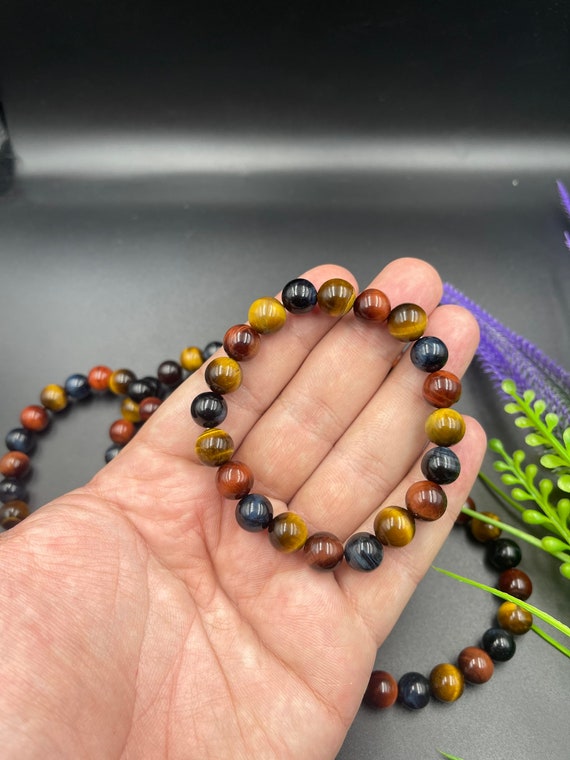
column 288, row 532
column 169, row 373
column 442, row 389
column 242, row 343
column 372, row 305
column 191, row 358
column 394, row 526
column 20, row 439
column 382, row 690
column 12, row 489
column 335, row 297
column 475, row 664
column 414, row 691
column 482, row 531
column 267, row 315
column 15, row 464
column 130, row 410
column 54, row 397
column 77, row 387
column 254, row 512
column 446, row 682
column 112, row 452
column 407, row 322
column 140, row 389
column 99, row 376
column 441, row 465
column 214, row 447
column 209, row 409
column 516, row 583
column 363, row 552
column 503, row 553
column 120, row 380
column 429, row 354
column 299, row 296
column 34, row 417
column 121, row 431
column 223, row 375
column 323, row 550
column 156, row 388
column 514, row 619
column 148, row 407
column 12, row 513
column 444, row 427
column 499, row 644
column 234, row 480
column 426, row 500
column 211, row 348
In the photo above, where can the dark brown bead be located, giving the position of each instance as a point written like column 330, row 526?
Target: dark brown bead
column 382, row 690
column 475, row 664
column 35, row 418
column 483, row 531
column 121, row 431
column 426, row 500
column 323, row 550
column 148, row 407
column 372, row 305
column 15, row 464
column 442, row 389
column 169, row 373
column 515, row 582
column 234, row 480
column 13, row 512
column 241, row 342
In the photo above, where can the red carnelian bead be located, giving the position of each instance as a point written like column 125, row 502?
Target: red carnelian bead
column 148, row 407
column 242, row 342
column 234, row 480
column 98, row 377
column 442, row 389
column 323, row 550
column 475, row 664
column 15, row 464
column 35, row 418
column 382, row 690
column 121, row 431
column 372, row 305
column 426, row 500
column 13, row 512
column 516, row 583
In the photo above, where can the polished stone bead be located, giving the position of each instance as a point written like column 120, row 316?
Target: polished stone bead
column 444, row 427
column 483, row 531
column 223, row 375
column 156, row 388
column 426, row 500
column 98, row 377
column 267, row 315
column 54, row 397
column 15, row 464
column 209, row 409
column 169, row 373
column 77, row 387
column 394, row 526
column 429, row 354
column 372, row 305
column 299, row 296
column 475, row 664
column 211, row 348
column 214, row 447
column 191, row 358
column 503, row 553
column 515, row 582
column 242, row 342
column 514, row 619
column 382, row 690
column 288, row 532
column 141, row 389
column 120, row 380
column 499, row 644
column 12, row 489
column 121, row 431
column 21, row 439
column 254, row 512
column 442, row 389
column 363, row 552
column 12, row 513
column 335, row 297
column 323, row 550
column 130, row 410
column 413, row 690
column 446, row 682
column 234, row 480
column 441, row 465
column 112, row 452
column 462, row 518
column 35, row 417
column 407, row 322
column 148, row 407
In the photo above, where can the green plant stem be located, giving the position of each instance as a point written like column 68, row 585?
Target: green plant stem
column 505, row 496
column 547, row 637
column 538, row 423
column 449, row 757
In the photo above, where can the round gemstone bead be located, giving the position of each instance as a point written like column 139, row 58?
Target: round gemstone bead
column 148, row 407
column 169, row 373
column 482, row 531
column 514, row 619
column 382, row 690
column 21, row 439
column 112, row 452
column 363, row 552
column 288, row 532
column 407, row 321
column 299, row 296
column 515, row 582
column 12, row 513
column 223, row 375
column 120, row 380
column 130, row 410
column 210, row 349
column 441, row 465
column 12, row 489
column 140, row 389
column 499, row 644
column 323, row 550
column 242, row 342
column 34, row 417
column 254, row 512
column 413, row 690
column 335, row 297
column 77, row 387
column 191, row 358
column 444, row 427
column 54, row 397
column 503, row 553
column 372, row 305
column 153, row 383
column 15, row 464
column 267, row 315
column 446, row 682
column 394, row 526
column 442, row 389
column 429, row 354
column 121, row 431
column 209, row 409
column 214, row 447
column 98, row 377
column 475, row 664
column 426, row 500
column 234, row 480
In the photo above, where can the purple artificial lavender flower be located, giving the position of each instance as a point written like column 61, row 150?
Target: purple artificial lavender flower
column 505, row 355
column 564, row 197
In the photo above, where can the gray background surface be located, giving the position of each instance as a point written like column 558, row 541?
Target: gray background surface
column 171, row 166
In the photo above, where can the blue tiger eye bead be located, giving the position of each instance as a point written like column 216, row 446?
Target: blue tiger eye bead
column 499, row 644
column 364, row 552
column 441, row 465
column 413, row 690
column 112, row 452
column 12, row 489
column 299, row 296
column 20, row 439
column 254, row 512
column 209, row 409
column 77, row 387
column 429, row 354
column 211, row 349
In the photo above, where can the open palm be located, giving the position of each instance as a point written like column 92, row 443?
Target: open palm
column 139, row 621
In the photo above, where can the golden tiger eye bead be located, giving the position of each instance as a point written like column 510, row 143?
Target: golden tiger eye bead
column 120, row 380
column 242, row 342
column 267, row 315
column 514, row 619
column 214, row 447
column 335, row 297
column 234, row 480
column 394, row 526
column 442, row 388
column 426, row 500
column 288, row 532
column 223, row 375
column 446, row 682
column 15, row 464
column 483, row 531
column 444, row 427
column 407, row 322
column 13, row 512
column 191, row 358
column 130, row 410
column 54, row 397
column 323, row 550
